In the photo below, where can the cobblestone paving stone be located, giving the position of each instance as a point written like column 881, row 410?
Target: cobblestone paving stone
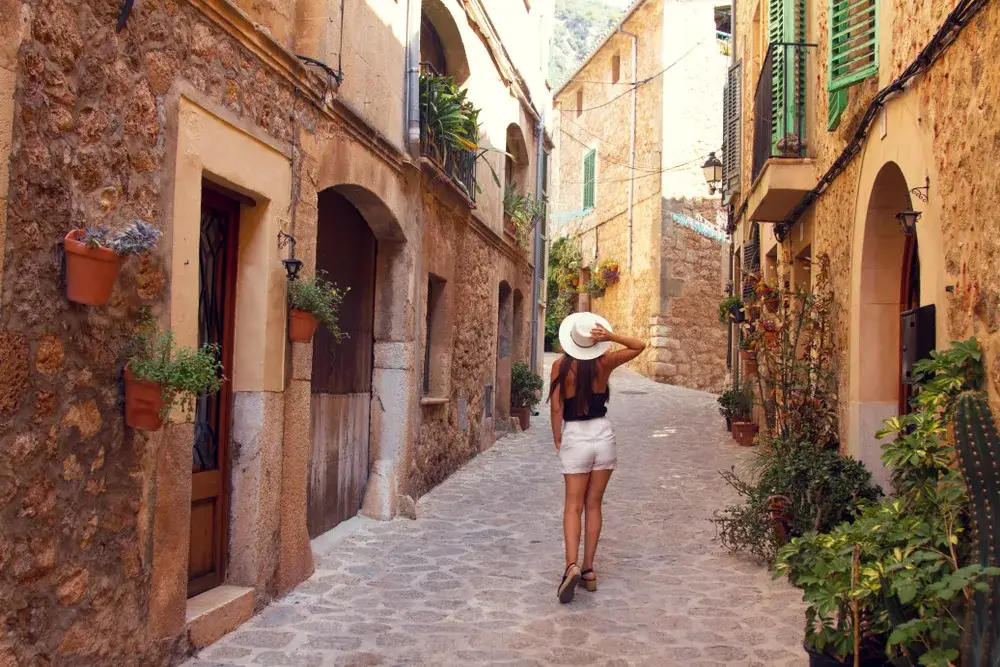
column 472, row 581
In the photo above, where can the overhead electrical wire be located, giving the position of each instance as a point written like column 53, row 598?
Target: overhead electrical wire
column 676, row 167
column 606, row 158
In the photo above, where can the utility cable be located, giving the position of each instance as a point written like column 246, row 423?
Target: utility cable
column 606, row 158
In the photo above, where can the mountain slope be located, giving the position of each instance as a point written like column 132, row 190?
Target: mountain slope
column 579, row 26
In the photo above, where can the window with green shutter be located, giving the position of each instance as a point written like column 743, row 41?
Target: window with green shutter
column 836, row 105
column 853, row 42
column 786, row 30
column 589, row 178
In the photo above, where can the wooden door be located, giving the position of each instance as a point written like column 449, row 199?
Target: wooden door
column 342, row 372
column 909, row 299
column 213, row 415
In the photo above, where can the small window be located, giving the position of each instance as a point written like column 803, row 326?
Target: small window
column 589, row 179
column 724, row 29
column 434, row 382
column 579, row 101
column 616, row 68
column 431, row 49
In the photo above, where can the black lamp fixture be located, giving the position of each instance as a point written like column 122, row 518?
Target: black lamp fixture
column 908, row 221
column 713, row 172
column 292, row 265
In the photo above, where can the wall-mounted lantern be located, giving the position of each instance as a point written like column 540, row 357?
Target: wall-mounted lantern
column 908, row 221
column 713, row 172
column 292, row 265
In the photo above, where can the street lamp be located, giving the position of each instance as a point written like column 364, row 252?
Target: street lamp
column 292, row 265
column 908, row 221
column 713, row 172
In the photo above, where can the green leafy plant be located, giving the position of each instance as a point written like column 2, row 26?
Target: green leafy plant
column 595, row 286
column 321, row 299
column 736, row 404
column 525, row 387
column 524, row 211
column 564, row 261
column 447, row 115
column 183, row 373
column 726, row 304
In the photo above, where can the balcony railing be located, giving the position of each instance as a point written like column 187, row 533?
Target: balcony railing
column 459, row 164
column 779, row 105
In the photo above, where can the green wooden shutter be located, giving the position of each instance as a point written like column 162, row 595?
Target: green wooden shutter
column 835, row 109
column 589, row 178
column 786, row 26
column 732, row 130
column 853, row 42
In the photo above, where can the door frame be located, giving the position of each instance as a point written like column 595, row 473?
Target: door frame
column 203, row 483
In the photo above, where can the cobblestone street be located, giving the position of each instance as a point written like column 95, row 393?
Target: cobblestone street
column 473, row 580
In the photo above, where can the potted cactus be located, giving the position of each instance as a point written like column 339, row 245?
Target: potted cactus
column 94, row 257
column 314, row 301
column 160, row 376
column 525, row 393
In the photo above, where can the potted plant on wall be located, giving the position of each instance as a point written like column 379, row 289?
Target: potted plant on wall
column 744, row 429
column 314, row 301
column 748, row 354
column 159, row 376
column 768, row 292
column 525, row 393
column 731, row 309
column 94, row 257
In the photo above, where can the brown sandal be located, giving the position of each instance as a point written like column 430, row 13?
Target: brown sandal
column 589, row 584
column 567, row 587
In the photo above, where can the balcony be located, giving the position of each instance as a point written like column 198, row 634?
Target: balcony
column 782, row 169
column 457, row 164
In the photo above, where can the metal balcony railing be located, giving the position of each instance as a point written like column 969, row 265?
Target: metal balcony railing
column 779, row 105
column 459, row 164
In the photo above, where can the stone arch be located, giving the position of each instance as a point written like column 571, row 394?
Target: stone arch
column 437, row 18
column 516, row 161
column 878, row 267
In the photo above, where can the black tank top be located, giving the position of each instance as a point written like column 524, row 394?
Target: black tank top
column 598, row 407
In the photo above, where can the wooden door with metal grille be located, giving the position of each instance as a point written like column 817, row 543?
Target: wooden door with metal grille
column 213, row 415
column 342, row 372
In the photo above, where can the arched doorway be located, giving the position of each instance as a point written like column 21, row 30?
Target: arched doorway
column 505, row 333
column 346, row 250
column 882, row 297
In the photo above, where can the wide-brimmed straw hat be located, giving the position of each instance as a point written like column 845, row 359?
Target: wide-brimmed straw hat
column 574, row 336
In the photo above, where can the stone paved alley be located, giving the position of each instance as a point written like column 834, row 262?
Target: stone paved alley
column 472, row 581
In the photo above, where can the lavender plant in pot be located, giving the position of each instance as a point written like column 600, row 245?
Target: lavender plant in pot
column 94, row 257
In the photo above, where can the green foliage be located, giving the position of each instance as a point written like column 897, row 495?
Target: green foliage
column 818, row 489
column 918, row 571
column 736, row 404
column 321, row 299
column 579, row 27
column 524, row 211
column 447, row 116
column 565, row 260
column 525, row 386
column 726, row 304
column 183, row 373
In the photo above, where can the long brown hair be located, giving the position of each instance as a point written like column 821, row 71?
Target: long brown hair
column 586, row 371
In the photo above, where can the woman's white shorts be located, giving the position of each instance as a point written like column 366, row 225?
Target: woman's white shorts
column 588, row 445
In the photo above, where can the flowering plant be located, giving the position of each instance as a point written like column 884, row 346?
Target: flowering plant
column 767, row 290
column 608, row 272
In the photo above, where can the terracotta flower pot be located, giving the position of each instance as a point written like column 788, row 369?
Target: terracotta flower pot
column 750, row 366
column 301, row 326
column 744, row 433
column 90, row 272
column 523, row 416
column 772, row 303
column 771, row 337
column 143, row 403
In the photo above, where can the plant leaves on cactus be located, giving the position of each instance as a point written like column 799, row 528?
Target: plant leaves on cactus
column 978, row 447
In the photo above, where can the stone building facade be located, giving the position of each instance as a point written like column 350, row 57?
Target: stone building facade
column 922, row 151
column 651, row 212
column 243, row 119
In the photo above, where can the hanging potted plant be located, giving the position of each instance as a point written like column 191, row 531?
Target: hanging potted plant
column 525, row 393
column 94, row 257
column 748, row 355
column 768, row 293
column 731, row 309
column 159, row 376
column 314, row 301
column 770, row 330
column 608, row 272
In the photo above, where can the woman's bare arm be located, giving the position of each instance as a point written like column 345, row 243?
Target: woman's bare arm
column 633, row 347
column 556, row 407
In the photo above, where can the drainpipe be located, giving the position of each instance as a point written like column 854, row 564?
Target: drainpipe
column 539, row 274
column 631, row 151
column 412, row 75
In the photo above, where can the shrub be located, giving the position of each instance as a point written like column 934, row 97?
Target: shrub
column 525, row 387
column 183, row 373
column 736, row 404
column 321, row 299
column 726, row 304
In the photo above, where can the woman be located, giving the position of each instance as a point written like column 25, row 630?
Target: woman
column 583, row 436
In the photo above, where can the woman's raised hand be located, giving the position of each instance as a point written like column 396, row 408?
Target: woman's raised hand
column 599, row 333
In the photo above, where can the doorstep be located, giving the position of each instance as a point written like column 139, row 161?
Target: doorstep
column 217, row 612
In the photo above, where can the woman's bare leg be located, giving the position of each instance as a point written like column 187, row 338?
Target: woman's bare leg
column 592, row 503
column 576, row 492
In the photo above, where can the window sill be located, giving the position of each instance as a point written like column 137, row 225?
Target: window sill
column 433, row 401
